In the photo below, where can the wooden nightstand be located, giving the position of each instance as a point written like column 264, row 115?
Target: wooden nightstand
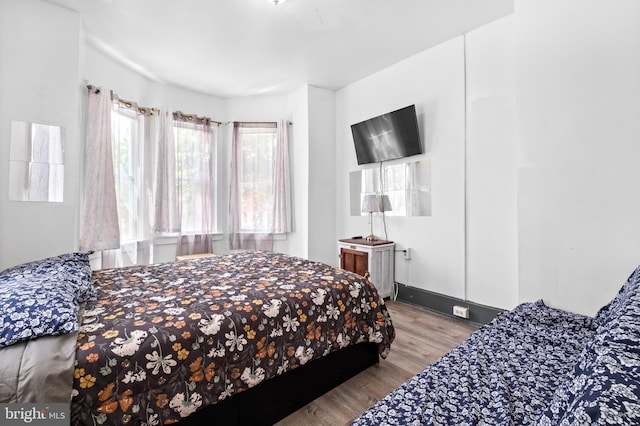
column 375, row 257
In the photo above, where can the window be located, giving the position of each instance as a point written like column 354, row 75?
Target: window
column 148, row 171
column 126, row 146
column 259, row 195
column 196, row 176
column 134, row 174
column 257, row 147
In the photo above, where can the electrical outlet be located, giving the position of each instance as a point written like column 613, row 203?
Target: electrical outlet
column 407, row 253
column 461, row 311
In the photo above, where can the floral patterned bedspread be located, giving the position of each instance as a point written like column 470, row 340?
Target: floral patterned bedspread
column 165, row 340
column 503, row 374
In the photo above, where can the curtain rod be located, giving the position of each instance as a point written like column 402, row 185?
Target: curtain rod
column 268, row 122
column 177, row 115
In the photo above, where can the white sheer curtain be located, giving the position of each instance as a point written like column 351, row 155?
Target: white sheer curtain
column 281, row 191
column 167, row 214
column 235, row 191
column 194, row 144
column 99, row 228
column 139, row 183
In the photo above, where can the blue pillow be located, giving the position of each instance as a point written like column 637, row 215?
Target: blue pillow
column 71, row 270
column 603, row 388
column 604, row 385
column 41, row 298
column 610, row 310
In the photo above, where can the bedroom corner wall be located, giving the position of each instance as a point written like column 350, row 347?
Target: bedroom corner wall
column 40, row 69
column 313, row 175
column 433, row 81
column 103, row 71
column 491, row 178
column 298, row 104
column 322, row 175
column 26, row 235
column 551, row 198
column 578, row 92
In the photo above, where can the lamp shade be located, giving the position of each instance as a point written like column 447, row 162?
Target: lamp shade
column 370, row 204
column 385, row 203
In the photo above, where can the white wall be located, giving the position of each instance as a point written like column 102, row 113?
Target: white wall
column 313, row 176
column 491, row 184
column 578, row 109
column 299, row 152
column 40, row 82
column 322, row 175
column 434, row 81
column 541, row 201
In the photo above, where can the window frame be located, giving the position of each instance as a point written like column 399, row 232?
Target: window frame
column 266, row 162
column 134, row 176
column 213, row 172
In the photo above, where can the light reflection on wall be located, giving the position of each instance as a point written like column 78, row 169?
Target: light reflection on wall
column 408, row 186
column 36, row 162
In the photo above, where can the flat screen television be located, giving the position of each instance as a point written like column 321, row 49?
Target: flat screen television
column 387, row 137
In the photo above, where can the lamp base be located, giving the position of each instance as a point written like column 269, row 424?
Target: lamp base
column 371, row 237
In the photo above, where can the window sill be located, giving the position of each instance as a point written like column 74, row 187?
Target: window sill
column 282, row 236
column 172, row 239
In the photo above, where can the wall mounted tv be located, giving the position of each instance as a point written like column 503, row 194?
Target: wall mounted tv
column 387, row 137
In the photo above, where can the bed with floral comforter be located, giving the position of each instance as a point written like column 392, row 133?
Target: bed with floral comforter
column 166, row 340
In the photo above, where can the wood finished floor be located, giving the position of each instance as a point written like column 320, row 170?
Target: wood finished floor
column 422, row 337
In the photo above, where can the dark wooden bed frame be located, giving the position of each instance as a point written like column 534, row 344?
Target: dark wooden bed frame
column 275, row 399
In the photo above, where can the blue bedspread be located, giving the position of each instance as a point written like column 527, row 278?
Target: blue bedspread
column 504, row 374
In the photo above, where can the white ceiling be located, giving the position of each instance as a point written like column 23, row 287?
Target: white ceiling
column 232, row 48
